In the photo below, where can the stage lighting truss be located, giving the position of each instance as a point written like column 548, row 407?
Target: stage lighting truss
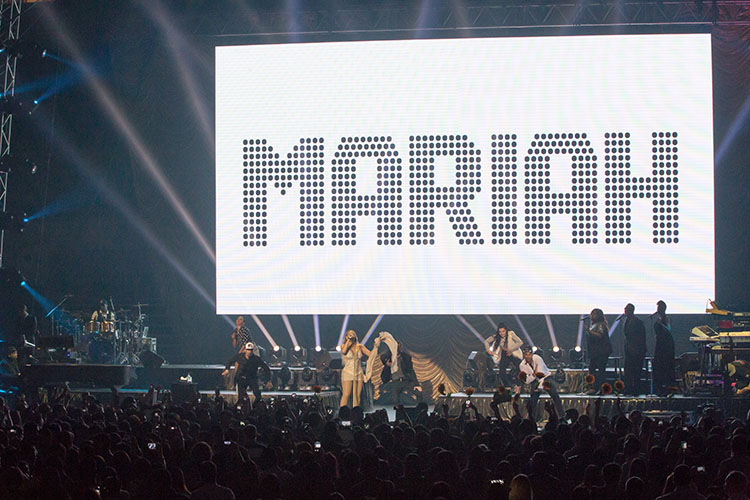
column 449, row 16
column 10, row 13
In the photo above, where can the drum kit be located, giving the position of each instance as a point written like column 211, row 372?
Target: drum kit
column 115, row 341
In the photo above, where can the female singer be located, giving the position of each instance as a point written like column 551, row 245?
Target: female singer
column 599, row 346
column 662, row 368
column 352, row 375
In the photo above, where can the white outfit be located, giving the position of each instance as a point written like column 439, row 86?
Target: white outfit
column 392, row 345
column 352, row 370
column 514, row 346
column 537, row 365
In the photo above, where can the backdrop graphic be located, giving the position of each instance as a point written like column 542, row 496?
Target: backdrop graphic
column 540, row 175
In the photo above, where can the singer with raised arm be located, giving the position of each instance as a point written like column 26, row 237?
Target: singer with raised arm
column 599, row 346
column 503, row 347
column 352, row 375
column 662, row 369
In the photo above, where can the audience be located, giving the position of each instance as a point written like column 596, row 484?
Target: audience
column 77, row 447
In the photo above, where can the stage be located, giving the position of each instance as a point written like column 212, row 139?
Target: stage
column 655, row 406
column 330, row 399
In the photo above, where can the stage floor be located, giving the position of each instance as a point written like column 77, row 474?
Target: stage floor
column 330, row 398
column 655, row 406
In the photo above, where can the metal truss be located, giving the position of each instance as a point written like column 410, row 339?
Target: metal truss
column 10, row 23
column 440, row 16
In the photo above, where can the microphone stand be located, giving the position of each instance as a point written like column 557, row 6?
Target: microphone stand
column 54, row 322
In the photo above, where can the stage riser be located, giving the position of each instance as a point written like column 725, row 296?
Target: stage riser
column 732, row 407
column 329, row 398
column 208, row 377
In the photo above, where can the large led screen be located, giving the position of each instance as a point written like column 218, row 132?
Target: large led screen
column 475, row 176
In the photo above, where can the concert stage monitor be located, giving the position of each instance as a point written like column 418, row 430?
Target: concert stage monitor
column 531, row 175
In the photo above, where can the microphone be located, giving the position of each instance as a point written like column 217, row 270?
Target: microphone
column 620, row 317
column 585, row 317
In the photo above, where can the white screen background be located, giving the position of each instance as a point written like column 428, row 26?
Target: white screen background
column 474, row 87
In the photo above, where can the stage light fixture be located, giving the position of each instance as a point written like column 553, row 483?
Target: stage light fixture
column 298, row 357
column 23, row 282
column 576, row 355
column 284, row 375
column 489, row 379
column 318, row 348
column 470, row 378
column 307, row 374
column 557, row 353
column 328, row 376
column 278, row 356
column 338, row 348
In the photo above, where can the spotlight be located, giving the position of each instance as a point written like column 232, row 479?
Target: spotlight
column 557, row 353
column 534, row 349
column 23, row 282
column 278, row 356
column 11, row 163
column 576, row 355
column 338, row 348
column 21, row 48
column 538, row 351
column 318, row 348
column 298, row 357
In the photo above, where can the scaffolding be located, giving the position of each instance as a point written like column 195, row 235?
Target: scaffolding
column 10, row 23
